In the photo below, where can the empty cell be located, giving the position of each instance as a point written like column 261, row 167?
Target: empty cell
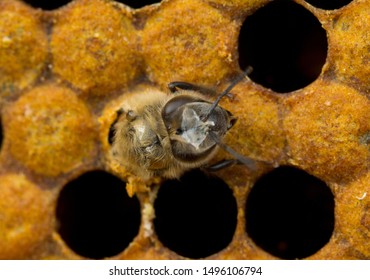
column 136, row 4
column 97, row 219
column 195, row 215
column 47, row 4
column 329, row 4
column 284, row 44
column 289, row 213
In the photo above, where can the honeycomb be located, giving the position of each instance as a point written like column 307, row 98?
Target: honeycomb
column 64, row 73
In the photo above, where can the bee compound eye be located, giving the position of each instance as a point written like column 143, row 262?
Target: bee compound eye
column 175, row 103
column 232, row 122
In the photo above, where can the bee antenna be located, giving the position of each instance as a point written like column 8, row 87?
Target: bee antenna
column 250, row 163
column 227, row 90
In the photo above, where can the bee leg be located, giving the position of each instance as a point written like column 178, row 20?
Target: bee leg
column 221, row 165
column 248, row 162
column 175, row 86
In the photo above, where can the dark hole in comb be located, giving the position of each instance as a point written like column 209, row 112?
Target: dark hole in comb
column 196, row 215
column 47, row 4
column 96, row 217
column 284, row 44
column 329, row 4
column 289, row 213
column 136, row 4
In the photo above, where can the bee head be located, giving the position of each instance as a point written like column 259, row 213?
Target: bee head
column 184, row 118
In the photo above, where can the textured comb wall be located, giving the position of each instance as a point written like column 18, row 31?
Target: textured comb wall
column 64, row 72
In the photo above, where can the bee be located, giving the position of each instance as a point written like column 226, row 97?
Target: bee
column 165, row 135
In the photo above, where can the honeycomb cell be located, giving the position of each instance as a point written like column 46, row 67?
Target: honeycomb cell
column 189, row 41
column 349, row 45
column 237, row 6
column 57, row 67
column 47, row 4
column 290, row 213
column 50, row 131
column 283, row 57
column 257, row 132
column 97, row 218
column 25, row 216
column 1, row 134
column 325, row 129
column 196, row 215
column 353, row 214
column 136, row 4
column 329, row 4
column 23, row 46
column 94, row 47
